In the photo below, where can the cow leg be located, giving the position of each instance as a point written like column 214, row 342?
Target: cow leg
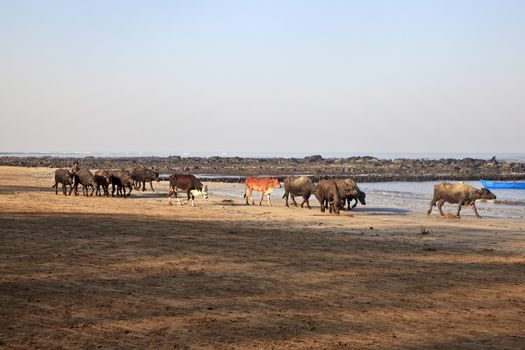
column 246, row 196
column 192, row 200
column 304, row 200
column 249, row 196
column 432, row 203
column 354, row 205
column 56, row 187
column 170, row 192
column 473, row 205
column 151, row 185
column 177, row 198
column 293, row 200
column 322, row 204
column 92, row 190
column 440, row 207
column 286, row 196
column 143, row 186
column 460, row 204
column 262, row 197
column 269, row 202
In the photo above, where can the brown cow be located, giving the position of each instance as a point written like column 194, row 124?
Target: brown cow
column 298, row 186
column 461, row 193
column 188, row 183
column 328, row 194
column 264, row 185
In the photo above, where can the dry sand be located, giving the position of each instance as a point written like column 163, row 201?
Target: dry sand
column 93, row 272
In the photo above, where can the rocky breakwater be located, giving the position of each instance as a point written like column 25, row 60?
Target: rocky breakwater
column 363, row 169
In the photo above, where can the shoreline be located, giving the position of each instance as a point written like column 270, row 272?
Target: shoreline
column 361, row 169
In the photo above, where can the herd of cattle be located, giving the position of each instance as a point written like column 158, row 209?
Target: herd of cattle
column 332, row 194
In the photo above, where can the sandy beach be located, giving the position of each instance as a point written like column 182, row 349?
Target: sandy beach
column 81, row 272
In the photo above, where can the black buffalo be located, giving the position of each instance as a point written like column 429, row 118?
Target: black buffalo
column 327, row 193
column 298, row 186
column 64, row 177
column 461, row 193
column 142, row 175
column 120, row 180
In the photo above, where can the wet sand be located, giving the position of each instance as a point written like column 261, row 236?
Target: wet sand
column 137, row 273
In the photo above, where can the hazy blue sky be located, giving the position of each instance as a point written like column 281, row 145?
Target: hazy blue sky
column 274, row 76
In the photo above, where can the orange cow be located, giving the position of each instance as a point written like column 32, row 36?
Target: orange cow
column 263, row 185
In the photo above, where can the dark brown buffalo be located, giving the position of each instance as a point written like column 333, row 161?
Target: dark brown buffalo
column 461, row 193
column 101, row 179
column 64, row 177
column 188, row 183
column 85, row 178
column 120, row 179
column 298, row 186
column 350, row 192
column 142, row 175
column 327, row 193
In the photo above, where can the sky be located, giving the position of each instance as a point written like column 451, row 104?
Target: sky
column 262, row 76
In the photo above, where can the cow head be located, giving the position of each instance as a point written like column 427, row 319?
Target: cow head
column 361, row 197
column 486, row 194
column 75, row 167
column 276, row 183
